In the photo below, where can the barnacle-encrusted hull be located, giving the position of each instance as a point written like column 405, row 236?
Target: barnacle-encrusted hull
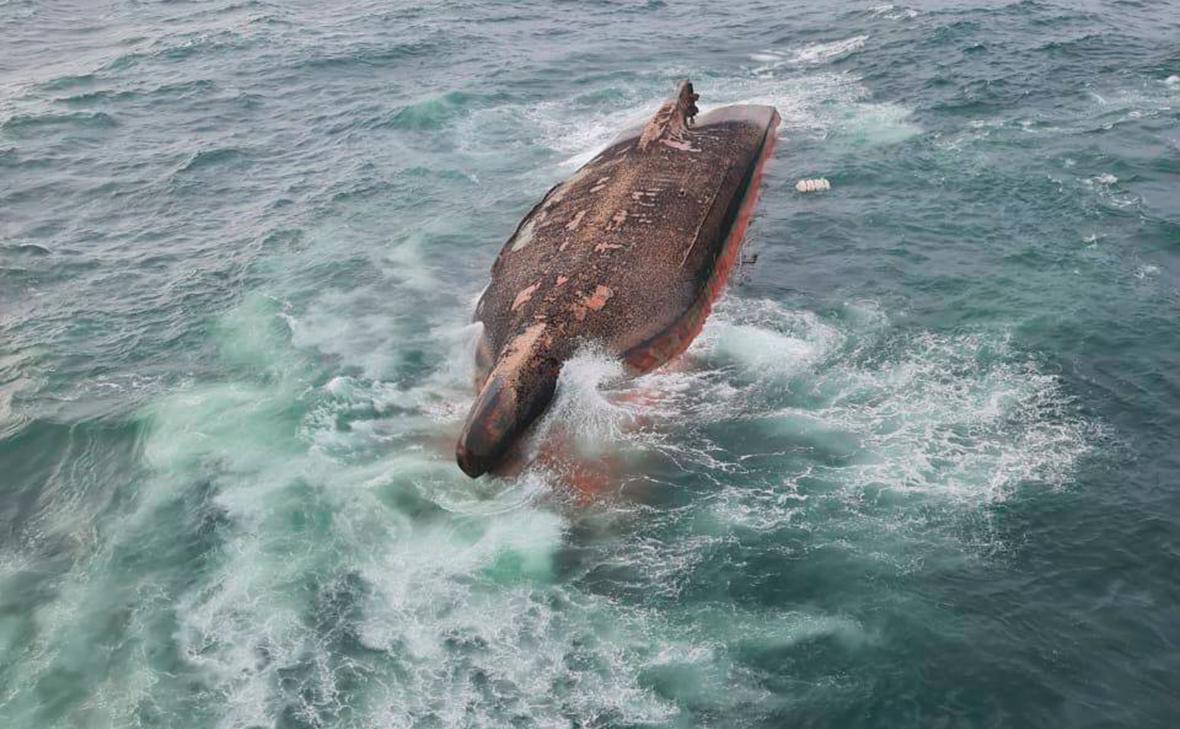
column 630, row 252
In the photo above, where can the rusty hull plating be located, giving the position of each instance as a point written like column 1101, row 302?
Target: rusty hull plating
column 630, row 252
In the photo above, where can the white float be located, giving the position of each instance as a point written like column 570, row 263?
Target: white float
column 816, row 185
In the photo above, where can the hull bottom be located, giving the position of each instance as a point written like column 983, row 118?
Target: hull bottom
column 676, row 338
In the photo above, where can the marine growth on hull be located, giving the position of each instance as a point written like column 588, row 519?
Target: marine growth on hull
column 628, row 254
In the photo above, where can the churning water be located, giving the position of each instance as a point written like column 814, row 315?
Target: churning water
column 920, row 469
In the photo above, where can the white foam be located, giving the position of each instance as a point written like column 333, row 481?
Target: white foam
column 458, row 591
column 1145, row 270
column 893, row 12
column 822, row 52
column 584, row 135
column 824, row 104
column 815, row 54
column 766, row 57
column 1106, row 189
column 771, row 61
column 447, row 598
column 582, row 410
column 874, row 124
column 834, row 107
column 958, row 417
column 763, row 508
column 408, row 265
column 456, row 607
column 781, row 347
column 11, row 418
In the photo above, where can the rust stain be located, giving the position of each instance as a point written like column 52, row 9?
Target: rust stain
column 598, row 299
column 600, row 185
column 682, row 146
column 524, row 295
column 517, row 351
column 576, row 220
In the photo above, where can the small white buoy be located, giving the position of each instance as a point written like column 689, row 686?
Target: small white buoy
column 816, row 185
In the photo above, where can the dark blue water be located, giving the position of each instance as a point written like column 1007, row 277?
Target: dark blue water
column 920, row 469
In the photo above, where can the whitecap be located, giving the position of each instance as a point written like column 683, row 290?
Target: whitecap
column 582, row 413
column 893, row 12
column 767, row 340
column 822, row 52
column 766, row 57
column 1145, row 270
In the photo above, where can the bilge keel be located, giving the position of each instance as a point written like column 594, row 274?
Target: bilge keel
column 630, row 253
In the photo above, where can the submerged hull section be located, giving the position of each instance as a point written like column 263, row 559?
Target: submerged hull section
column 630, row 253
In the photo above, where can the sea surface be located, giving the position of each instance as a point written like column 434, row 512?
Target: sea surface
column 921, row 469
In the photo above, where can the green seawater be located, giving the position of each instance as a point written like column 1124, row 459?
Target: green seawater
column 919, row 470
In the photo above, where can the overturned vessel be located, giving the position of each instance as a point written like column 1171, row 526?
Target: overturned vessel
column 630, row 253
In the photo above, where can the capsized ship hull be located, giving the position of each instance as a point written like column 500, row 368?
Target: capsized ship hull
column 630, row 252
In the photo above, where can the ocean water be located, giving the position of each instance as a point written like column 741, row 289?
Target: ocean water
column 920, row 469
